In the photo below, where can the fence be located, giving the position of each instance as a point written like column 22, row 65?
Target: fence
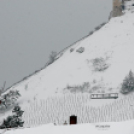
column 59, row 109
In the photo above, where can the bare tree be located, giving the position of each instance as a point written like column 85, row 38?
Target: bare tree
column 2, row 90
column 52, row 57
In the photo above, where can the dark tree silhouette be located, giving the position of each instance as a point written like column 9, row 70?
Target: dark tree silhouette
column 14, row 120
column 128, row 83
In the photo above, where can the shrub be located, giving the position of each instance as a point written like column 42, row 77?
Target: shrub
column 91, row 33
column 80, row 88
column 100, row 64
column 97, row 28
column 52, row 57
column 71, row 50
column 95, row 88
column 14, row 120
column 102, row 24
column 80, row 50
column 94, row 81
column 9, row 98
column 128, row 83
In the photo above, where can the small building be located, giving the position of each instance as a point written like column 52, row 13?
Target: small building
column 73, row 119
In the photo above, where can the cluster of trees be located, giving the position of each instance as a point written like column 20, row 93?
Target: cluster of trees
column 15, row 120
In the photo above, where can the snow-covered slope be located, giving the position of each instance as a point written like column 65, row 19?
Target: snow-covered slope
column 107, row 57
column 114, row 42
column 96, row 128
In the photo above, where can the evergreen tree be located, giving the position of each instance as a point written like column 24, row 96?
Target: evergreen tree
column 14, row 120
column 17, row 117
column 128, row 83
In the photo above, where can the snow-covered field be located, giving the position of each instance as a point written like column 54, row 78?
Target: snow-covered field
column 94, row 128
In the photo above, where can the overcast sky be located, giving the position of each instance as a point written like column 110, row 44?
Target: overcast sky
column 31, row 29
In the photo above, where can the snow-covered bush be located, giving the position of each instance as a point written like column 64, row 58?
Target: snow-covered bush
column 128, row 83
column 91, row 33
column 71, row 50
column 102, row 24
column 9, row 99
column 99, row 64
column 79, row 88
column 97, row 28
column 52, row 57
column 86, row 87
column 80, row 50
column 14, row 120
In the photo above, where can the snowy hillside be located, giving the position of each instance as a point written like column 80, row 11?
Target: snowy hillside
column 96, row 128
column 96, row 64
column 112, row 44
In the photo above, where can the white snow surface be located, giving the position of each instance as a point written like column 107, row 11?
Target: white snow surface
column 95, row 128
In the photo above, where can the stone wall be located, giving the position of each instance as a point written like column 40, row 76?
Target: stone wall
column 117, row 8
